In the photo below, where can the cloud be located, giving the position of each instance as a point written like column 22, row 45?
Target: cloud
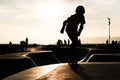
column 15, row 11
column 16, row 7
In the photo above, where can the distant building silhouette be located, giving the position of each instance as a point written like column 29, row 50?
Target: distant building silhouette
column 24, row 44
column 65, row 42
column 10, row 43
column 107, row 42
column 26, row 41
column 59, row 43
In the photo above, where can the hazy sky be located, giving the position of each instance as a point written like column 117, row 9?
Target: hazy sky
column 41, row 20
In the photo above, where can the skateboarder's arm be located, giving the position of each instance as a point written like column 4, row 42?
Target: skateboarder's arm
column 81, row 25
column 80, row 29
column 63, row 27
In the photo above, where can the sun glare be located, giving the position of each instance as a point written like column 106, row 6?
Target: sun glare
column 47, row 10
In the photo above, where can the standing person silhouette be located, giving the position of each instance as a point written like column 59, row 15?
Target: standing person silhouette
column 71, row 25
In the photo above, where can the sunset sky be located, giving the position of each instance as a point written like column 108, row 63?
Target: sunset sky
column 41, row 20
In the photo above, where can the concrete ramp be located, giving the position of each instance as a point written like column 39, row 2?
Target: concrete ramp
column 82, row 71
column 33, row 73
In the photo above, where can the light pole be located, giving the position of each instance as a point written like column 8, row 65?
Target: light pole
column 109, row 22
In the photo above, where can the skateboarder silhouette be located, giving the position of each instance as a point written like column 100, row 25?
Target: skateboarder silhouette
column 74, row 26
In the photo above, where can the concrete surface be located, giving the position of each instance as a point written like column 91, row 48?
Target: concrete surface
column 82, row 71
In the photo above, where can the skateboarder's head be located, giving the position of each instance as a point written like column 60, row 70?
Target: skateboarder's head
column 80, row 10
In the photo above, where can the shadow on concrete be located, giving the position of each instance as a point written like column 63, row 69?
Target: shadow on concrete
column 62, row 53
column 77, row 68
column 12, row 66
